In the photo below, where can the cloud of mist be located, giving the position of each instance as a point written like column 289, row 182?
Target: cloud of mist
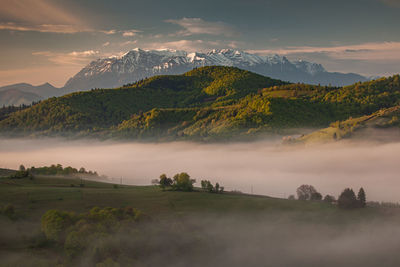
column 266, row 167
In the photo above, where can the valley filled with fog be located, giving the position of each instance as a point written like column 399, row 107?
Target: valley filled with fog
column 264, row 167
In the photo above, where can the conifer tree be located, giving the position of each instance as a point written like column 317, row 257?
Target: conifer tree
column 361, row 198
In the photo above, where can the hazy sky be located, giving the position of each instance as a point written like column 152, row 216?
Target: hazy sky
column 50, row 40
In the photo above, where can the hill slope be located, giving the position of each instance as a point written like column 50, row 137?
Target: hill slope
column 206, row 103
column 382, row 125
column 102, row 108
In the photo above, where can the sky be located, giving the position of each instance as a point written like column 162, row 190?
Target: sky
column 51, row 40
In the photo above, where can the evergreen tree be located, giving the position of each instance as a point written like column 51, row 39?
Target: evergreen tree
column 361, row 198
column 347, row 199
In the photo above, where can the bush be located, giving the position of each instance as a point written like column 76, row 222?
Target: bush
column 55, row 222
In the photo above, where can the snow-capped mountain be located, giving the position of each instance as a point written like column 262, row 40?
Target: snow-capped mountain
column 138, row 64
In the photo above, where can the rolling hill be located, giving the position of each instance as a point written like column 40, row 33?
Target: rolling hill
column 205, row 103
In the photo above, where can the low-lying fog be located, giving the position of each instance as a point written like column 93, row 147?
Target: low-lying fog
column 262, row 167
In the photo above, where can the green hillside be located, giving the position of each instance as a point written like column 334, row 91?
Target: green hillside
column 373, row 124
column 206, row 103
column 171, row 226
column 102, row 108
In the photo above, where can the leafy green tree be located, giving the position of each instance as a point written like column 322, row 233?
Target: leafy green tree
column 183, row 182
column 21, row 168
column 347, row 199
column 361, row 198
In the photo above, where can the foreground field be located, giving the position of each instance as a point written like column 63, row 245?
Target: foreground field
column 216, row 229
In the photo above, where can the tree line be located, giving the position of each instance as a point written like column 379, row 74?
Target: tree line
column 347, row 199
column 183, row 182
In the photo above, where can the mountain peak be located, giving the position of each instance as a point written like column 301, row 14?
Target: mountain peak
column 138, row 64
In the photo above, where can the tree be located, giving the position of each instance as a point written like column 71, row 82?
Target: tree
column 316, row 196
column 183, row 182
column 361, row 198
column 291, row 197
column 304, row 192
column 347, row 199
column 207, row 185
column 165, row 181
column 329, row 199
column 22, row 168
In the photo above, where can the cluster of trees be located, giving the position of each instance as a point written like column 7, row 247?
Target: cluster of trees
column 349, row 200
column 346, row 200
column 207, row 186
column 59, row 170
column 87, row 232
column 180, row 182
column 183, row 182
column 22, row 173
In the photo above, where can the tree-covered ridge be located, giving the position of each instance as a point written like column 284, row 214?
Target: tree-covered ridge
column 102, row 108
column 207, row 103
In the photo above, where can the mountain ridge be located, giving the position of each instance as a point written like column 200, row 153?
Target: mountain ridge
column 206, row 103
column 138, row 64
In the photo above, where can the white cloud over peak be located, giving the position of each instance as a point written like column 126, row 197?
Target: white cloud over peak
column 193, row 26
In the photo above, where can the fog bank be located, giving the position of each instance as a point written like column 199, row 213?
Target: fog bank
column 264, row 167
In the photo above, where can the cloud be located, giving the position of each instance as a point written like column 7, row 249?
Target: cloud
column 39, row 15
column 128, row 43
column 130, row 33
column 71, row 58
column 105, row 44
column 109, row 32
column 383, row 51
column 43, row 28
column 186, row 45
column 194, row 26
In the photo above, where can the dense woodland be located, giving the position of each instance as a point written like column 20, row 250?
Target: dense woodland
column 205, row 103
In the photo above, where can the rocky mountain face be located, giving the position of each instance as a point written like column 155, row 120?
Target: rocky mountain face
column 139, row 64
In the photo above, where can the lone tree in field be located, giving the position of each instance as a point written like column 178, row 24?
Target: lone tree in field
column 305, row 192
column 361, row 198
column 347, row 199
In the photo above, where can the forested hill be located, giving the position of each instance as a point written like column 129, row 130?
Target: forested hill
column 207, row 103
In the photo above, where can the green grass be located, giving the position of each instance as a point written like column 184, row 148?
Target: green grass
column 32, row 198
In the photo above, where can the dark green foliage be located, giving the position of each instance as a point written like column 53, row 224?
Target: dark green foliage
column 361, row 198
column 306, row 192
column 316, row 196
column 165, row 181
column 347, row 199
column 208, row 187
column 86, row 232
column 59, row 170
column 329, row 199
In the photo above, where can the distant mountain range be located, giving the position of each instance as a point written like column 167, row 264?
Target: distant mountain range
column 139, row 64
column 23, row 93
